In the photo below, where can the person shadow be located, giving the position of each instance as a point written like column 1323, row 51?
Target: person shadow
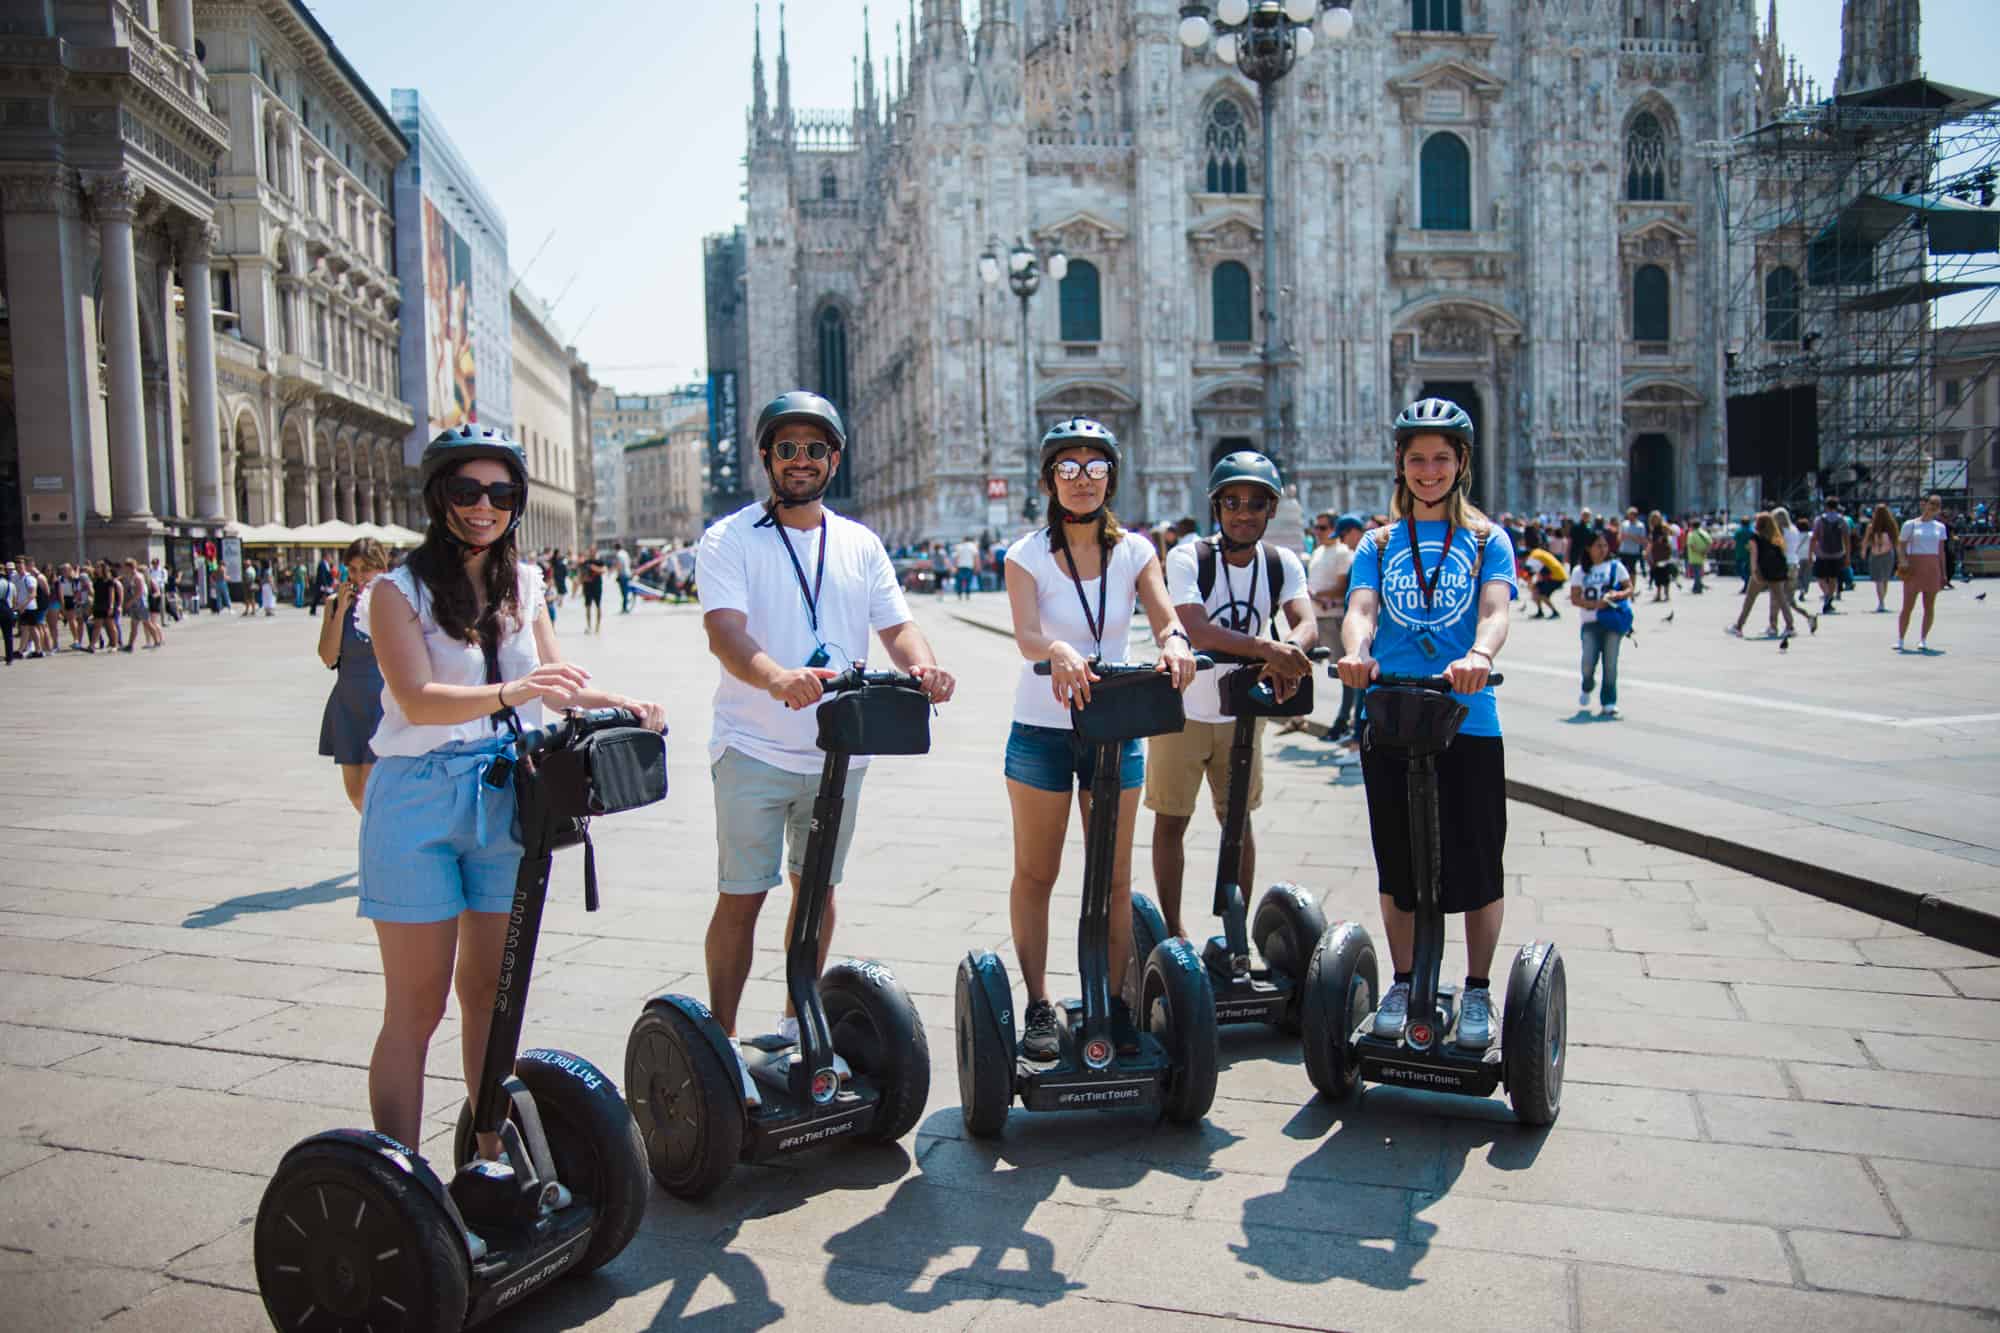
column 331, row 889
column 1351, row 1209
column 978, row 1198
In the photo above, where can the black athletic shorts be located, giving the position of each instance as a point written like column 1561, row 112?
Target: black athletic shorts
column 593, row 594
column 1472, row 823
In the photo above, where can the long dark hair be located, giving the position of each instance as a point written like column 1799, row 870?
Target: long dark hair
column 438, row 564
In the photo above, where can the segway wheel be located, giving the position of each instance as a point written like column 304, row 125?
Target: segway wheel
column 985, row 1048
column 1179, row 1009
column 1341, row 989
column 1149, row 928
column 344, row 1236
column 877, row 1030
column 591, row 1135
column 1541, row 1044
column 686, row 1103
column 1285, row 929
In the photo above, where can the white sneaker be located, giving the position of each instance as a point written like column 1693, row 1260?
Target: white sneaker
column 1609, row 710
column 475, row 1247
column 1899, row 645
column 1923, row 646
column 751, row 1096
column 1393, row 1012
column 1583, row 701
column 1475, row 1018
column 788, row 1028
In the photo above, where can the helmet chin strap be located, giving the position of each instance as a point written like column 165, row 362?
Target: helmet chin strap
column 779, row 500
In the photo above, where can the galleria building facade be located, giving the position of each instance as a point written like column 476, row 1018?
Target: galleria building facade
column 1502, row 203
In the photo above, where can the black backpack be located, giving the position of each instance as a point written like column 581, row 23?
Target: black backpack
column 1204, row 575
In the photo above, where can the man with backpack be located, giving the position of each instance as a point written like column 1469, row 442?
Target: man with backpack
column 1227, row 590
column 1831, row 537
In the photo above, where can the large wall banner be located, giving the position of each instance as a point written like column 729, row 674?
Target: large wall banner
column 454, row 398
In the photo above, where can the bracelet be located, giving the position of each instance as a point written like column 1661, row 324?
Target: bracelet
column 1482, row 652
column 502, row 696
column 1180, row 634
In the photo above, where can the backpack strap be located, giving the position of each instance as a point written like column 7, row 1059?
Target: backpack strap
column 1274, row 576
column 1204, row 568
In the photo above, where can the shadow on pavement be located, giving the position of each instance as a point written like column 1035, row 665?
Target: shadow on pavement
column 344, row 885
column 1365, row 1243
column 930, row 1217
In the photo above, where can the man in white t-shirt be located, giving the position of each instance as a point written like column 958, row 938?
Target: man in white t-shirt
column 790, row 594
column 1232, row 614
column 965, row 565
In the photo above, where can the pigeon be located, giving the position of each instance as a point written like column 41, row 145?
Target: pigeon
column 1979, row 597
column 1785, row 643
column 1670, row 618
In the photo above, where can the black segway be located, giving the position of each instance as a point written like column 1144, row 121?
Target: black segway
column 680, row 1071
column 356, row 1231
column 1174, row 1069
column 1417, row 718
column 1288, row 922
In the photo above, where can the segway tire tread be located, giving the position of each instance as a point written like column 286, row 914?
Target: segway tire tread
column 1286, row 928
column 1179, row 1010
column 985, row 1066
column 1331, row 1007
column 719, row 1126
column 434, row 1249
column 1149, row 929
column 596, row 1144
column 877, row 1030
column 1535, row 1060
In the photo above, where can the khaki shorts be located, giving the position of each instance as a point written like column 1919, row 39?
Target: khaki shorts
column 1177, row 762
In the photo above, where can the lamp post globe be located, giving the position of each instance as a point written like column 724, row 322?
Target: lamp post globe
column 1336, row 23
column 1232, row 12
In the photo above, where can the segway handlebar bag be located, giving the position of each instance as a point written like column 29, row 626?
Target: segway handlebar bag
column 876, row 719
column 605, row 773
column 1128, row 705
column 1245, row 694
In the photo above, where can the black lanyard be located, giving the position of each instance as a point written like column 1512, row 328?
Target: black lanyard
column 1096, row 626
column 1429, row 587
column 1229, row 588
column 811, row 595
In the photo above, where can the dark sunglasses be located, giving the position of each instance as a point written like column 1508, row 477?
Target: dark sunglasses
column 1097, row 469
column 1255, row 504
column 464, row 492
column 817, row 450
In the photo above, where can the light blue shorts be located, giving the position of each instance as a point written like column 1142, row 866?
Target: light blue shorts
column 435, row 839
column 759, row 808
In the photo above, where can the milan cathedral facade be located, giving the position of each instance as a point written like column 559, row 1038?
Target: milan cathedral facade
column 1506, row 202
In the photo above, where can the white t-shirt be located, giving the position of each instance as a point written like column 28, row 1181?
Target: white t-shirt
column 744, row 568
column 1923, row 536
column 966, row 555
column 1062, row 614
column 1331, row 562
column 1796, row 543
column 453, row 662
column 1240, row 600
column 1631, row 536
column 1599, row 578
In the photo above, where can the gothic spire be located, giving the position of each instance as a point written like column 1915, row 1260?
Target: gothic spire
column 1878, row 44
column 758, row 105
column 784, row 71
column 899, row 62
column 868, row 66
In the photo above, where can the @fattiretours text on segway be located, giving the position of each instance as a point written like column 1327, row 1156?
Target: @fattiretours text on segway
column 1415, row 718
column 1174, row 1068
column 860, row 1069
column 357, row 1231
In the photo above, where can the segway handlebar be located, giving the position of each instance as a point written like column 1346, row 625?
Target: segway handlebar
column 574, row 726
column 1106, row 670
column 854, row 678
column 1232, row 659
column 1442, row 684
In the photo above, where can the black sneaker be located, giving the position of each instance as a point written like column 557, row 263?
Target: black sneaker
column 1124, row 1035
column 1039, row 1042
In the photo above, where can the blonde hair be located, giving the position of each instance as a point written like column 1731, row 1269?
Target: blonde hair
column 368, row 551
column 1880, row 521
column 1766, row 524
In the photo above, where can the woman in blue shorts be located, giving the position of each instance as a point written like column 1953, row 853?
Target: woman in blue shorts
column 460, row 634
column 1429, row 596
column 1072, row 588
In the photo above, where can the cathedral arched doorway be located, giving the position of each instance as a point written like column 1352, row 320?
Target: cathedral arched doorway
column 1652, row 474
column 10, row 482
column 1466, row 394
column 1227, row 445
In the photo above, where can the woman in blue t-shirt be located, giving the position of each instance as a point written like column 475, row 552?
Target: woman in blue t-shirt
column 1429, row 596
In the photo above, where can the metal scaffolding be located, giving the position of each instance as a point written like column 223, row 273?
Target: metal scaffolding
column 1854, row 225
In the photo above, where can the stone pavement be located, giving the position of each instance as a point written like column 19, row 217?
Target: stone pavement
column 1780, row 1111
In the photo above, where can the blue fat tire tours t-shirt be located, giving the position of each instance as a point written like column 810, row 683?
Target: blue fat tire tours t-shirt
column 1452, row 618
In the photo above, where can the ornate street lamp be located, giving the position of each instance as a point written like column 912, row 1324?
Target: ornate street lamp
column 1024, row 268
column 1264, row 39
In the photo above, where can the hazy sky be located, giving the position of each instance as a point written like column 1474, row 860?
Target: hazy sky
column 614, row 129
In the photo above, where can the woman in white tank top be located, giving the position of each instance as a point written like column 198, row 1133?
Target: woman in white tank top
column 1921, row 545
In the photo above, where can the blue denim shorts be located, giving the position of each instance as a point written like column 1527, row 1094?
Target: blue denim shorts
column 435, row 839
column 1055, row 759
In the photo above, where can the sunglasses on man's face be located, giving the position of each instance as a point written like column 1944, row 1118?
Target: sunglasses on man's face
column 816, row 450
column 1097, row 469
column 464, row 492
column 1253, row 504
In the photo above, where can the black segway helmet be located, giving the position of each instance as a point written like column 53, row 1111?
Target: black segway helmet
column 1245, row 465
column 800, row 405
column 462, row 444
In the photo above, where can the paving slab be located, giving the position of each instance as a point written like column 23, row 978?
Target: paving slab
column 1913, row 1270
column 1635, row 1240
column 46, row 1292
column 1620, row 1298
column 186, row 1305
column 185, row 1206
column 1951, row 1204
column 1884, row 1087
column 1872, row 1130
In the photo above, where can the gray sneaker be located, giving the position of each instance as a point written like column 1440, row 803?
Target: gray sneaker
column 1039, row 1042
column 1393, row 1012
column 1475, row 1018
